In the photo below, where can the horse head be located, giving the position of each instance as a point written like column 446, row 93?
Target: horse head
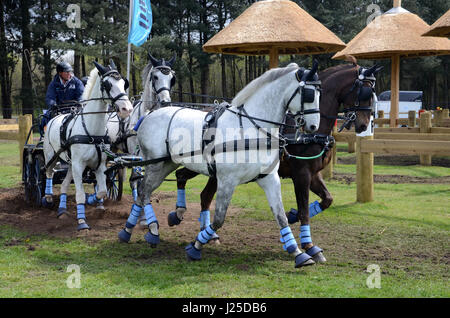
column 360, row 100
column 113, row 87
column 305, row 106
column 162, row 78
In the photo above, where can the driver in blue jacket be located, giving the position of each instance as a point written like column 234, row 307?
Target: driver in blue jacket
column 65, row 88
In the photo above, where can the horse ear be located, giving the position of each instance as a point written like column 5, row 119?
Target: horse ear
column 378, row 70
column 313, row 71
column 102, row 70
column 371, row 70
column 172, row 60
column 154, row 61
column 112, row 64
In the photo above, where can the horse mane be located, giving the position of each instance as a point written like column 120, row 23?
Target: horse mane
column 258, row 82
column 146, row 71
column 90, row 84
column 147, row 96
column 325, row 74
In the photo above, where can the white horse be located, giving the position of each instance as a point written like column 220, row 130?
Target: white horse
column 167, row 139
column 158, row 79
column 83, row 136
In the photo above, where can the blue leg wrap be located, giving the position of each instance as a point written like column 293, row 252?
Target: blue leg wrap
column 314, row 209
column 62, row 204
column 134, row 216
column 204, row 219
column 181, row 198
column 81, row 215
column 150, row 214
column 92, row 199
column 49, row 187
column 135, row 194
column 81, row 211
column 305, row 235
column 205, row 235
column 290, row 244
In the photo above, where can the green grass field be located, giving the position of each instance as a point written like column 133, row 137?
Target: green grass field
column 405, row 232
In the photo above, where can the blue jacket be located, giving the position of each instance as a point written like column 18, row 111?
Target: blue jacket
column 57, row 93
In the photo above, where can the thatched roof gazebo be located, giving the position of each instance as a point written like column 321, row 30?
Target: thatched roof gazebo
column 395, row 34
column 441, row 27
column 274, row 27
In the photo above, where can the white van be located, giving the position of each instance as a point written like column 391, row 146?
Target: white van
column 409, row 100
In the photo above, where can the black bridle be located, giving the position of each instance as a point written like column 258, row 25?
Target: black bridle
column 363, row 93
column 166, row 70
column 106, row 86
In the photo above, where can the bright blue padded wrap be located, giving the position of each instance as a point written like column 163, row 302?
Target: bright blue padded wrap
column 305, row 235
column 49, row 186
column 63, row 201
column 204, row 219
column 150, row 214
column 181, row 198
column 134, row 216
column 314, row 209
column 290, row 244
column 80, row 211
column 205, row 235
column 92, row 199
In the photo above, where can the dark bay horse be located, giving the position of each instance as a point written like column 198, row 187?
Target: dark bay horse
column 349, row 85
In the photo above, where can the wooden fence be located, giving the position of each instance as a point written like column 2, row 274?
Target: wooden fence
column 17, row 129
column 424, row 141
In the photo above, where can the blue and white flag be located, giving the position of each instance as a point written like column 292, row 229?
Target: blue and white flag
column 142, row 22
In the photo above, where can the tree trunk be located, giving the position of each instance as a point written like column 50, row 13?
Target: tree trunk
column 26, row 93
column 4, row 73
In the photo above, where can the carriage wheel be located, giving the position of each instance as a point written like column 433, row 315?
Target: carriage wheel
column 114, row 184
column 38, row 180
column 27, row 177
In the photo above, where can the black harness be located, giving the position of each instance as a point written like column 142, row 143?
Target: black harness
column 363, row 93
column 87, row 139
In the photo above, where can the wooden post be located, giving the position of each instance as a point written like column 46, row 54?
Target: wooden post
column 25, row 123
column 273, row 58
column 395, row 88
column 327, row 172
column 380, row 115
column 412, row 119
column 364, row 172
column 445, row 113
column 425, row 128
column 351, row 145
column 438, row 117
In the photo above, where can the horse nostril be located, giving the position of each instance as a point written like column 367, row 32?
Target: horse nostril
column 313, row 127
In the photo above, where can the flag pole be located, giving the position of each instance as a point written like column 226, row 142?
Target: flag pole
column 129, row 44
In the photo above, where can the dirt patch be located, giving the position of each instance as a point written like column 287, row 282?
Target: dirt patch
column 394, row 179
column 398, row 160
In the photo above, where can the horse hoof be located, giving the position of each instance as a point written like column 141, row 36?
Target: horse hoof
column 124, row 236
column 83, row 227
column 100, row 207
column 303, row 259
column 173, row 219
column 151, row 239
column 62, row 213
column 192, row 253
column 47, row 204
column 319, row 258
column 292, row 216
column 214, row 241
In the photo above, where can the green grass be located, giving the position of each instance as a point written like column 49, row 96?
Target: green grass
column 405, row 231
